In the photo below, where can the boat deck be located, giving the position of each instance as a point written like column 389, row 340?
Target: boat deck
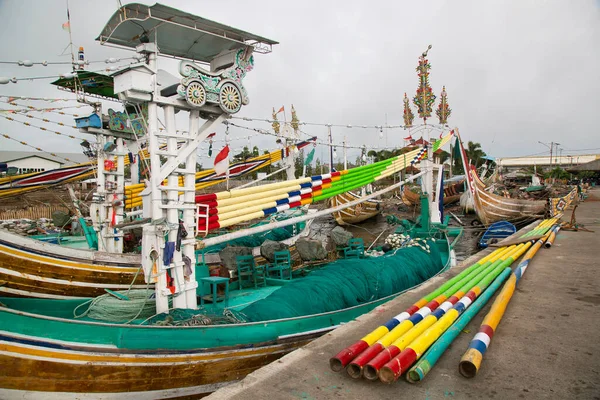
column 545, row 346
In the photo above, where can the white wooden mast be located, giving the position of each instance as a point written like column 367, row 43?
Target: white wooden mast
column 211, row 94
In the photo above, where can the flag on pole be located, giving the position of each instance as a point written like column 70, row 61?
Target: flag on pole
column 409, row 137
column 222, row 161
column 280, row 110
column 309, row 157
column 67, row 26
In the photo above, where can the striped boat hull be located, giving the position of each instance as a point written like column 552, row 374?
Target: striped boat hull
column 30, row 268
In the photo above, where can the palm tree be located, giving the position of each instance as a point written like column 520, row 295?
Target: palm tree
column 475, row 153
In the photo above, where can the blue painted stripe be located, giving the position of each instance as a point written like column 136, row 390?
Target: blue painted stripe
column 315, row 178
column 294, row 193
column 305, row 185
column 478, row 345
column 391, row 324
column 460, row 307
column 270, row 210
column 438, row 313
column 415, row 318
column 282, row 201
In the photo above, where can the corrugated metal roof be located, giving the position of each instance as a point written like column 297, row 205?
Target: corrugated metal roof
column 8, row 156
column 177, row 33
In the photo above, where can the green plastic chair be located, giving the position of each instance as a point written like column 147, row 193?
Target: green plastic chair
column 281, row 265
column 355, row 249
column 249, row 273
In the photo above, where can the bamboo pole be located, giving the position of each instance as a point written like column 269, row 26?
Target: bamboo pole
column 413, row 328
column 413, row 351
column 471, row 361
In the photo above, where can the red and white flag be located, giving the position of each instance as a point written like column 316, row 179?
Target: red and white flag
column 222, row 161
column 280, row 110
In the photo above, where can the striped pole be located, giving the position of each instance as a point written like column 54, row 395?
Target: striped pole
column 401, row 363
column 424, row 365
column 370, row 362
column 471, row 361
column 416, row 327
column 340, row 360
column 552, row 236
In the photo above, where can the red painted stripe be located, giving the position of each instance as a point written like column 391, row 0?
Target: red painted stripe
column 383, row 357
column 314, row 189
column 433, row 305
column 487, row 330
column 348, row 354
column 453, row 299
column 472, row 295
column 327, row 180
column 363, row 358
column 295, row 204
column 412, row 309
column 202, row 198
column 336, row 173
column 306, row 196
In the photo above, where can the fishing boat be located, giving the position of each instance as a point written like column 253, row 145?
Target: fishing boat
column 356, row 214
column 452, row 194
column 497, row 231
column 46, row 352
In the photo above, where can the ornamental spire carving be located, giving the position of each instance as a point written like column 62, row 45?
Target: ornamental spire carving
column 424, row 98
column 443, row 111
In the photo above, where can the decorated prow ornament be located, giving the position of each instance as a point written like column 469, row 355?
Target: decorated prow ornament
column 424, row 98
column 408, row 114
column 443, row 111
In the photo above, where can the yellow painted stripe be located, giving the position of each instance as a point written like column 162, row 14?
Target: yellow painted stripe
column 63, row 263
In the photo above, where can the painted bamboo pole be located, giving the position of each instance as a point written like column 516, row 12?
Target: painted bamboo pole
column 401, row 363
column 432, row 355
column 414, row 328
column 424, row 306
column 355, row 369
column 552, row 237
column 471, row 361
column 371, row 360
column 340, row 360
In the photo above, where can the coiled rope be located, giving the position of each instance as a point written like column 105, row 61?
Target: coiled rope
column 138, row 303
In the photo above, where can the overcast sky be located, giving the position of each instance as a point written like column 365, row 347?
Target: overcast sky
column 516, row 72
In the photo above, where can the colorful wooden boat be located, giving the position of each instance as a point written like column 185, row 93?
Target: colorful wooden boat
column 35, row 268
column 356, row 214
column 451, row 195
column 497, row 231
column 491, row 208
column 45, row 353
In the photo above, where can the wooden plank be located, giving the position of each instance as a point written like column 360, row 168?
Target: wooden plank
column 516, row 241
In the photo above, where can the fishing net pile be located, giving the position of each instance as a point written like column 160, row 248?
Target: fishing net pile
column 255, row 240
column 347, row 283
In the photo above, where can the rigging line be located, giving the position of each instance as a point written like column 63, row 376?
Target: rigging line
column 37, row 148
column 43, row 129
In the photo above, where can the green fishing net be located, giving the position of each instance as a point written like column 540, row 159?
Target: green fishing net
column 347, row 283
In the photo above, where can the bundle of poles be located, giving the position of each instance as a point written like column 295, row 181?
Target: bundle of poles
column 232, row 207
column 413, row 341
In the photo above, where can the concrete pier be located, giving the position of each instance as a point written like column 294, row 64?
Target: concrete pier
column 546, row 347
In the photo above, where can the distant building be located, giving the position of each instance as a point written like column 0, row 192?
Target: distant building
column 544, row 162
column 31, row 161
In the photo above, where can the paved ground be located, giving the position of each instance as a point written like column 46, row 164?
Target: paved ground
column 546, row 347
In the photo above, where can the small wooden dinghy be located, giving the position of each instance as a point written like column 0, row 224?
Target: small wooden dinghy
column 358, row 213
column 496, row 232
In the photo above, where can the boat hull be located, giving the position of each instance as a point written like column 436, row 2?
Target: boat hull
column 354, row 214
column 30, row 268
column 492, row 208
column 46, row 354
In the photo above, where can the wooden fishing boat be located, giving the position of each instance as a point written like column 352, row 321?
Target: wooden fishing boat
column 354, row 215
column 34, row 268
column 491, row 208
column 46, row 353
column 451, row 195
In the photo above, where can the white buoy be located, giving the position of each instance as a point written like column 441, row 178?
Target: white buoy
column 4, row 80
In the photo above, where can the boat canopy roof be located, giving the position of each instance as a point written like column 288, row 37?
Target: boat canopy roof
column 90, row 82
column 177, row 33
